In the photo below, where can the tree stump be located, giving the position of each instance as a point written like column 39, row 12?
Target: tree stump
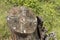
column 24, row 25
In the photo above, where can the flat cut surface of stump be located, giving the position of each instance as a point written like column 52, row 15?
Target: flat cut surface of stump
column 22, row 20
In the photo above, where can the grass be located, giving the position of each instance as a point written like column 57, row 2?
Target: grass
column 49, row 11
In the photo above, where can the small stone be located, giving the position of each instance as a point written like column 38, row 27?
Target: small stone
column 14, row 27
column 8, row 18
column 24, row 19
column 24, row 31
